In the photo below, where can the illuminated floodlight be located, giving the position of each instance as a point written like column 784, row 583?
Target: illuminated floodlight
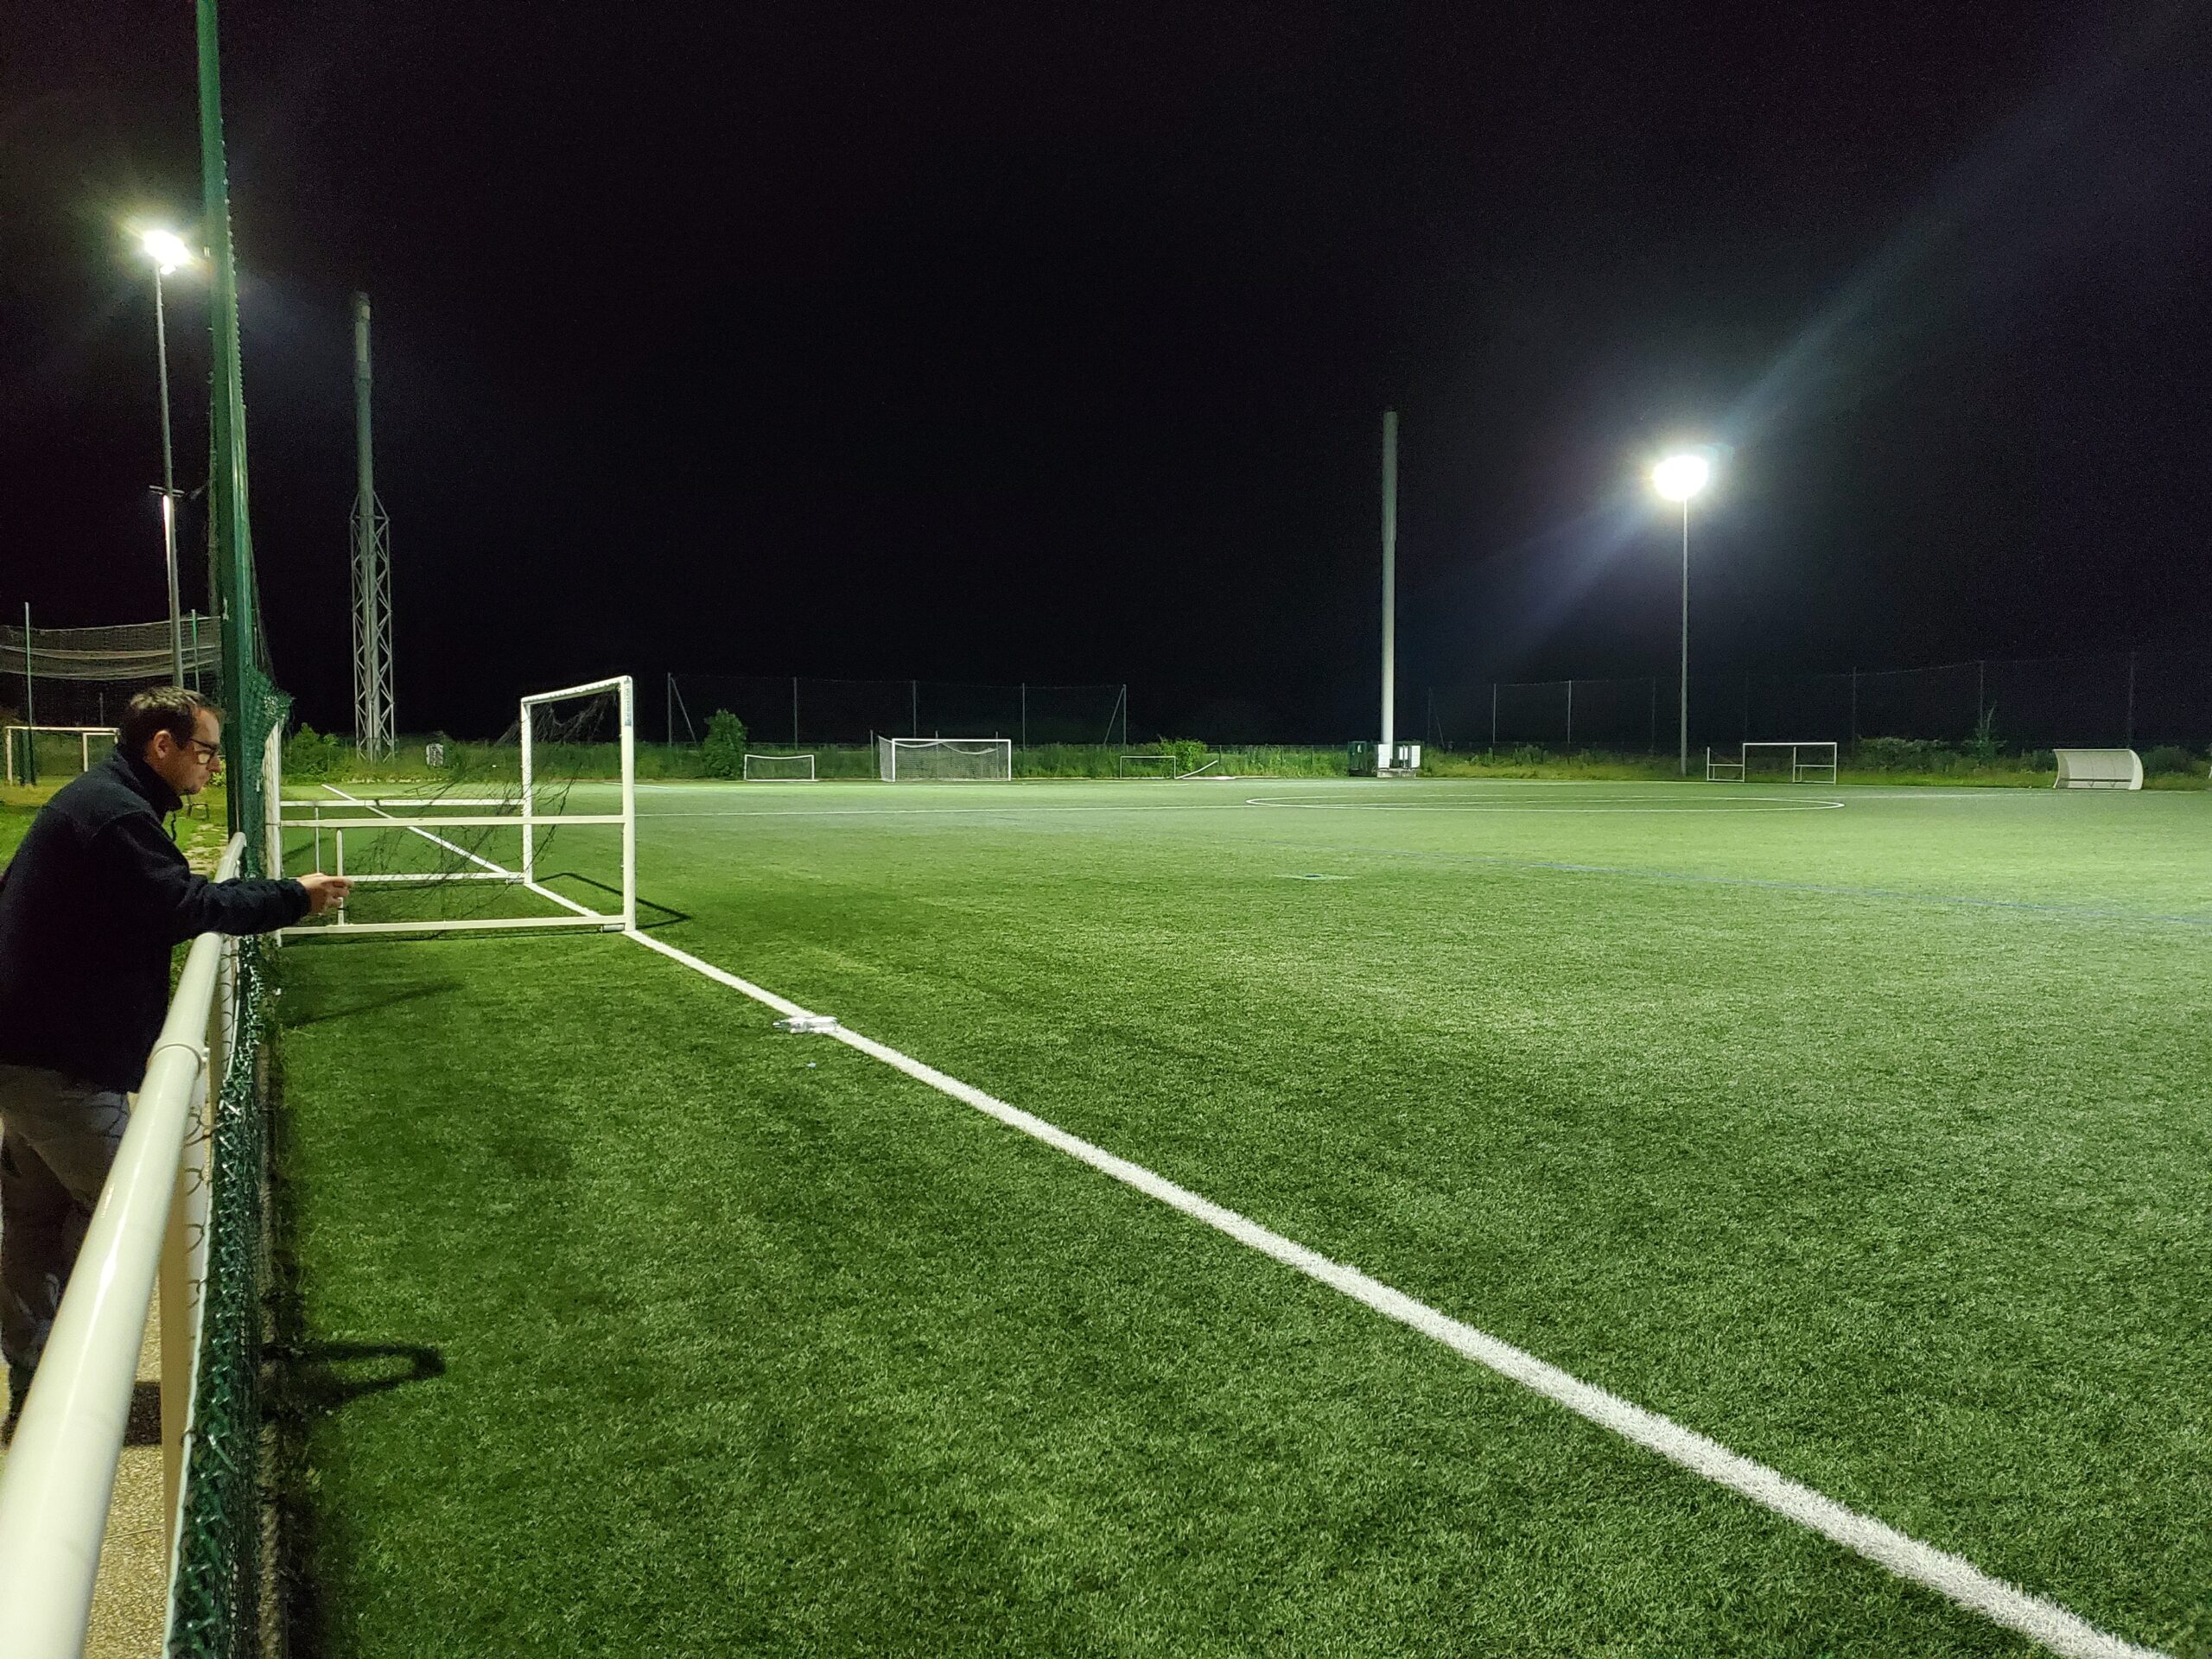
column 1680, row 477
column 165, row 249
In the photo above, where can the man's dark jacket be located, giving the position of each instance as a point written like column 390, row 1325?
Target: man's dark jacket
column 97, row 896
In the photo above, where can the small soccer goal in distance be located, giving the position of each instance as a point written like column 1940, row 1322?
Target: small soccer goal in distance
column 1145, row 766
column 779, row 768
column 536, row 830
column 48, row 752
column 945, row 759
column 1775, row 761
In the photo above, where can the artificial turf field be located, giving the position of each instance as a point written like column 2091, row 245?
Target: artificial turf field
column 1871, row 1140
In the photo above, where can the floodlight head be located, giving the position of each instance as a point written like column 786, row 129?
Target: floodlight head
column 165, row 249
column 1680, row 477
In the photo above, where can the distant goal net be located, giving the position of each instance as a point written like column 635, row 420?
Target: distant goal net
column 1146, row 765
column 1774, row 762
column 536, row 830
column 49, row 753
column 779, row 768
column 945, row 759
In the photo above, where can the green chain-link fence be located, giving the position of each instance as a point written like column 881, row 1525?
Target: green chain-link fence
column 218, row 1587
column 218, row 1571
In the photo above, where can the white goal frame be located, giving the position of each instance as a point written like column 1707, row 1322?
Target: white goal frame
column 387, row 814
column 1820, row 768
column 888, row 750
column 1168, row 760
column 2099, row 769
column 83, row 734
column 751, row 777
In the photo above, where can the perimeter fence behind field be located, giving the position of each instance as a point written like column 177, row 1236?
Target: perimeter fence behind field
column 2126, row 699
column 796, row 711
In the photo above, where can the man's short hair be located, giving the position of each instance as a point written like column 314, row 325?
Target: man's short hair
column 168, row 709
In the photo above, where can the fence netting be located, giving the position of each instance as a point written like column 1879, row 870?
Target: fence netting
column 2123, row 699
column 795, row 711
column 83, row 676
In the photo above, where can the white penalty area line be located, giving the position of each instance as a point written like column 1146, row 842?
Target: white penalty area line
column 1951, row 1576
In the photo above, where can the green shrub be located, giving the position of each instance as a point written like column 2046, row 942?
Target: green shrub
column 310, row 754
column 1903, row 754
column 1190, row 753
column 722, row 754
column 2167, row 760
column 1983, row 747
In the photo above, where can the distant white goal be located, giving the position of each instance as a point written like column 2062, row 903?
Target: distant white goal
column 2099, row 769
column 945, row 759
column 36, row 750
column 779, row 768
column 537, row 830
column 1777, row 761
column 1146, row 765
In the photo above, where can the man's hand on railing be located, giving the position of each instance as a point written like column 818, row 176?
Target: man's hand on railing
column 324, row 890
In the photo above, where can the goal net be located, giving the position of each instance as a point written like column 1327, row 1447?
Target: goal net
column 538, row 829
column 1145, row 766
column 945, row 759
column 774, row 768
column 51, row 753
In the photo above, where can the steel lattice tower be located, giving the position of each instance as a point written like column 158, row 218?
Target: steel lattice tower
column 373, row 731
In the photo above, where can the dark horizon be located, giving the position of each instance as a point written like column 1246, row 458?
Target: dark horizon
column 1008, row 348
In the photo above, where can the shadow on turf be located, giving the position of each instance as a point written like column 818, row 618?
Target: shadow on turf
column 316, row 1014
column 311, row 1380
column 321, row 1377
column 664, row 917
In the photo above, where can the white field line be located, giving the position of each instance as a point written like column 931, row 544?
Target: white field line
column 1950, row 1576
column 1603, row 804
column 498, row 870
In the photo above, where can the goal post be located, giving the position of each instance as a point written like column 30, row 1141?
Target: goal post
column 945, row 759
column 779, row 768
column 1796, row 761
column 539, row 832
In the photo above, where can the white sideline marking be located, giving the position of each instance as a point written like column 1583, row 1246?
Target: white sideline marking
column 1953, row 1577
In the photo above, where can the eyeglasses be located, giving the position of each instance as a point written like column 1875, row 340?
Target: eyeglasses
column 210, row 753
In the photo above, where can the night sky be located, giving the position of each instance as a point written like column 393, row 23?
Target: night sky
column 983, row 342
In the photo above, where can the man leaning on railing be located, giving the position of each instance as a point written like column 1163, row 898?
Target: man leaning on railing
column 96, row 897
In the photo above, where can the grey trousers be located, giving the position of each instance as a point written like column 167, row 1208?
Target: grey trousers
column 57, row 1138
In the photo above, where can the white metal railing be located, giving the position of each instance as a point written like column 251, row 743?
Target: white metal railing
column 59, row 1473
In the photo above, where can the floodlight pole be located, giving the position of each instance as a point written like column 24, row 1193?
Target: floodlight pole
column 373, row 731
column 169, row 485
column 1389, row 585
column 1685, row 638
